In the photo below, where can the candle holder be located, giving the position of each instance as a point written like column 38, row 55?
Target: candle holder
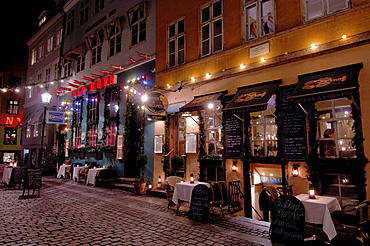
column 191, row 178
column 311, row 193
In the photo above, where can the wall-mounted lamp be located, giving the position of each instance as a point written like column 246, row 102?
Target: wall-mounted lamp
column 191, row 178
column 186, row 114
column 234, row 167
column 311, row 192
column 295, row 170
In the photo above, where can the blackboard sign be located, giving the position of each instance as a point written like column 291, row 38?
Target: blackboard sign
column 288, row 221
column 199, row 206
column 293, row 125
column 18, row 175
column 33, row 179
column 234, row 136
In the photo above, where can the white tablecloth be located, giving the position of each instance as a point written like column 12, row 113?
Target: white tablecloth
column 92, row 174
column 317, row 211
column 62, row 171
column 76, row 170
column 183, row 191
column 7, row 174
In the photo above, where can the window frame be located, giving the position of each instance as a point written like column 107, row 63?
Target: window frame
column 325, row 11
column 12, row 107
column 33, row 56
column 99, row 5
column 84, row 12
column 138, row 27
column 115, row 39
column 70, row 22
column 80, row 63
column 10, row 136
column 50, row 44
column 176, row 39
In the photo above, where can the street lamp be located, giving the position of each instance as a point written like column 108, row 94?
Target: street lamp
column 45, row 97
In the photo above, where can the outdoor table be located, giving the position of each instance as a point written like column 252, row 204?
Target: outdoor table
column 317, row 211
column 92, row 174
column 62, row 171
column 183, row 191
column 7, row 174
column 76, row 171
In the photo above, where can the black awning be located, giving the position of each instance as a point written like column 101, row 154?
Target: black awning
column 253, row 97
column 327, row 84
column 200, row 102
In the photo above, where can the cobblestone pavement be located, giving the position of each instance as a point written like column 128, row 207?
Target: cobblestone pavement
column 69, row 213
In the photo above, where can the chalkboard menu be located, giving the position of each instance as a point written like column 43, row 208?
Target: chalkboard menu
column 293, row 124
column 18, row 175
column 33, row 179
column 234, row 136
column 288, row 221
column 199, row 206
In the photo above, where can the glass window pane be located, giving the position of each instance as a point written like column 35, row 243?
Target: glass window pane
column 205, row 14
column 256, row 117
column 205, row 32
column 171, row 30
column 335, row 5
column 251, row 21
column 217, row 43
column 217, row 9
column 217, row 27
column 172, row 46
column 181, row 27
column 267, row 17
column 205, row 48
column 314, row 9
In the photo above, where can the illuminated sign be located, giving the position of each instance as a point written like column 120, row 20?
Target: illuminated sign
column 10, row 120
column 55, row 117
column 156, row 102
column 95, row 85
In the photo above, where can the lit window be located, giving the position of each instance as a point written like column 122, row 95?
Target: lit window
column 320, row 8
column 12, row 107
column 259, row 18
column 10, row 136
column 93, row 135
column 36, row 130
column 33, row 56
column 28, row 132
column 59, row 37
column 211, row 28
column 112, row 132
column 77, row 137
column 176, row 43
column 158, row 143
column 50, row 41
column 213, row 128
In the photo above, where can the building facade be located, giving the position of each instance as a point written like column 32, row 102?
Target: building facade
column 259, row 84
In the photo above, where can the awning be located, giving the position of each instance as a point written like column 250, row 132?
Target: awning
column 74, row 53
column 327, row 84
column 253, row 97
column 200, row 102
column 30, row 119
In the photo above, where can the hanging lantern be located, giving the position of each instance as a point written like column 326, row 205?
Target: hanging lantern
column 234, row 167
column 295, row 170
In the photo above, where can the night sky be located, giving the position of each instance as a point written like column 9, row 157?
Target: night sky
column 18, row 22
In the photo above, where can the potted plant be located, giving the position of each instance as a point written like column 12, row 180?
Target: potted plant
column 140, row 183
column 177, row 162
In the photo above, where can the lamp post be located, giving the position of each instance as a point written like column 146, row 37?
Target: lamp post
column 46, row 97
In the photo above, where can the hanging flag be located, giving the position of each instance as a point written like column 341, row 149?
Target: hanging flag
column 132, row 60
column 116, row 67
column 65, row 89
column 87, row 78
column 79, row 82
column 73, row 85
column 95, row 75
column 105, row 71
column 148, row 57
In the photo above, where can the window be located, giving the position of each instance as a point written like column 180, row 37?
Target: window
column 59, row 37
column 176, row 43
column 67, row 68
column 56, row 70
column 28, row 132
column 93, row 135
column 99, row 5
column 77, row 105
column 36, row 130
column 10, row 136
column 335, row 128
column 137, row 22
column 320, row 8
column 49, row 47
column 33, row 56
column 92, row 114
column 70, row 22
column 12, row 107
column 213, row 128
column 84, row 14
column 211, row 28
column 112, row 131
column 264, row 131
column 39, row 77
column 158, row 143
column 41, row 51
column 77, row 136
column 259, row 18
column 47, row 74
column 95, row 42
column 115, row 37
column 80, row 63
column 112, row 108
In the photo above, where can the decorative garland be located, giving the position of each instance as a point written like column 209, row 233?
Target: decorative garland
column 107, row 119
column 202, row 136
column 89, row 123
column 166, row 146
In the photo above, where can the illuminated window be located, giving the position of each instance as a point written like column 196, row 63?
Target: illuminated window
column 176, row 43
column 264, row 131
column 33, row 56
column 50, row 41
column 93, row 135
column 211, row 28
column 335, row 128
column 28, row 132
column 59, row 37
column 77, row 136
column 259, row 18
column 36, row 130
column 10, row 136
column 92, row 118
column 213, row 127
column 158, row 144
column 12, row 107
column 314, row 9
column 112, row 132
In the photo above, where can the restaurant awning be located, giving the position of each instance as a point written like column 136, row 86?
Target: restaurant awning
column 327, row 84
column 30, row 119
column 200, row 102
column 253, row 97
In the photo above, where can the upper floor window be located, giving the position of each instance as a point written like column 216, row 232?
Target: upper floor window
column 36, row 130
column 70, row 22
column 12, row 107
column 99, row 5
column 50, row 42
column 33, row 56
column 80, row 63
column 259, row 18
column 95, row 44
column 335, row 128
column 28, row 132
column 320, row 8
column 41, row 51
column 137, row 23
column 115, row 37
column 264, row 131
column 84, row 14
column 47, row 74
column 10, row 136
column 211, row 28
column 58, row 40
column 67, row 68
column 56, row 70
column 176, row 43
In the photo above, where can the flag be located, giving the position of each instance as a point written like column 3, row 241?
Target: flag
column 105, row 71
column 143, row 55
column 116, row 67
column 132, row 60
column 95, row 75
column 87, row 78
column 73, row 85
column 79, row 82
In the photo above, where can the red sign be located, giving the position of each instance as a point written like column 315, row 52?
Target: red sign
column 11, row 121
column 96, row 85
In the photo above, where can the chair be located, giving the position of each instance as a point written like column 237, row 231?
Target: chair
column 82, row 174
column 217, row 198
column 266, row 200
column 353, row 219
column 171, row 181
column 68, row 172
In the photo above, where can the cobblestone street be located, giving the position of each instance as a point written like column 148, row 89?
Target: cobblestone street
column 69, row 213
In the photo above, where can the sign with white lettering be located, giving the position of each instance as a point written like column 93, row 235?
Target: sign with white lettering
column 199, row 206
column 54, row 117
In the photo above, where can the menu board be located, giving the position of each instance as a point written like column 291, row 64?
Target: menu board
column 294, row 132
column 33, row 179
column 18, row 175
column 234, row 136
column 199, row 206
column 288, row 221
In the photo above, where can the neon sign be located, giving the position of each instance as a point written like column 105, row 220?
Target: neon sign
column 96, row 85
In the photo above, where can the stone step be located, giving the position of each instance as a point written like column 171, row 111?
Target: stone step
column 130, row 188
column 125, row 180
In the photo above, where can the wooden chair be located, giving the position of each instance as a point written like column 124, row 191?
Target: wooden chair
column 82, row 174
column 68, row 172
column 171, row 182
